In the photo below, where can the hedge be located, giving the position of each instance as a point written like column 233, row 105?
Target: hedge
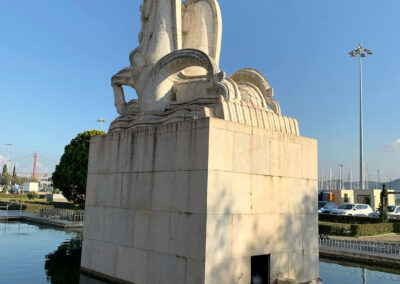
column 357, row 230
column 15, row 196
column 351, row 219
column 337, row 229
column 34, row 206
column 26, row 206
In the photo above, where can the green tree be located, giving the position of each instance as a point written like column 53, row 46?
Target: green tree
column 5, row 178
column 5, row 169
column 383, row 204
column 14, row 174
column 71, row 174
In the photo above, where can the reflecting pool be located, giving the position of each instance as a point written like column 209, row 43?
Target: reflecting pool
column 31, row 254
column 37, row 254
column 334, row 272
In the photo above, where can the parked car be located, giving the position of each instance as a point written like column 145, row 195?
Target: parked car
column 321, row 204
column 393, row 212
column 326, row 207
column 353, row 209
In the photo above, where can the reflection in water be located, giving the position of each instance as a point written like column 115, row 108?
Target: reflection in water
column 63, row 265
column 333, row 272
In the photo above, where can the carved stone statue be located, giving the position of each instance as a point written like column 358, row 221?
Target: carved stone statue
column 175, row 73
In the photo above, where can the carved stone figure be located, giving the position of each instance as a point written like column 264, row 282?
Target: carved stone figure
column 175, row 73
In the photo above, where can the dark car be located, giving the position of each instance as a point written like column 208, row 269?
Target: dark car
column 326, row 207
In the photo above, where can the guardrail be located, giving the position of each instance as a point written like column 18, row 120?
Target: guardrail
column 63, row 214
column 359, row 246
column 6, row 206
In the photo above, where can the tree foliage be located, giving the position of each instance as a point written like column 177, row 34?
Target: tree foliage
column 14, row 174
column 18, row 180
column 71, row 174
column 5, row 169
column 5, row 177
column 383, row 204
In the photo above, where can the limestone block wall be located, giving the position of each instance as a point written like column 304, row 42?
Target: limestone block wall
column 146, row 202
column 261, row 199
column 191, row 202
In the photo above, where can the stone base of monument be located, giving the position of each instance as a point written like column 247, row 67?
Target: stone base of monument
column 202, row 201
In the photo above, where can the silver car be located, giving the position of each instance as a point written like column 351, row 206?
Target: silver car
column 393, row 211
column 353, row 209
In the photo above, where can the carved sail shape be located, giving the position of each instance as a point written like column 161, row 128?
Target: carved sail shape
column 158, row 88
column 202, row 30
column 250, row 76
column 175, row 73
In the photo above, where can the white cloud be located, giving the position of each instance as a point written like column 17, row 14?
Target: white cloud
column 393, row 147
column 2, row 159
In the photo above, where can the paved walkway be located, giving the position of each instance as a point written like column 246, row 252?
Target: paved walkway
column 11, row 215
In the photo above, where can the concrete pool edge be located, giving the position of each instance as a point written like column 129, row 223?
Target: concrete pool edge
column 360, row 258
column 102, row 277
column 21, row 216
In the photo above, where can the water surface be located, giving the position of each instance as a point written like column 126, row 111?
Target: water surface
column 36, row 254
column 334, row 272
column 25, row 247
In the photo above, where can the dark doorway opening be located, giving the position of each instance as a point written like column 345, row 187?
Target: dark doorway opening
column 260, row 269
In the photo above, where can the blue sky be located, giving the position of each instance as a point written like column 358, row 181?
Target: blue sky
column 57, row 57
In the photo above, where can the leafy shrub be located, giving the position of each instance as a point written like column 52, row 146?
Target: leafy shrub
column 32, row 195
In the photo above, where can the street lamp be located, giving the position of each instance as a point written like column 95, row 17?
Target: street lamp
column 361, row 52
column 8, row 154
column 101, row 120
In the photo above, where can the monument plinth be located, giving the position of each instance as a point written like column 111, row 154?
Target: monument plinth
column 201, row 180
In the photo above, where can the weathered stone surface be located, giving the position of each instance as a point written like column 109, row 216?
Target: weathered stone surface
column 175, row 73
column 215, row 215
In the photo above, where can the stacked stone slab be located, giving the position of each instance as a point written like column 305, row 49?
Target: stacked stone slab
column 191, row 202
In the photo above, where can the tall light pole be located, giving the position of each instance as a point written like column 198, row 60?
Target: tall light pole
column 101, row 120
column 8, row 153
column 361, row 52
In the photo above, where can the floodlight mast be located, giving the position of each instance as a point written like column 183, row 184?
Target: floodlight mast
column 8, row 154
column 361, row 52
column 101, row 120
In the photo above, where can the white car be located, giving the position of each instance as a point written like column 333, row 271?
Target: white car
column 353, row 209
column 393, row 211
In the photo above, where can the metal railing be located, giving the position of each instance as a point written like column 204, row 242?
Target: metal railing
column 6, row 206
column 364, row 247
column 63, row 214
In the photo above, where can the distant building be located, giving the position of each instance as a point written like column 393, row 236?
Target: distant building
column 29, row 187
column 56, row 197
column 371, row 197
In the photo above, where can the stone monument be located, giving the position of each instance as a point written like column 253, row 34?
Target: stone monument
column 200, row 180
